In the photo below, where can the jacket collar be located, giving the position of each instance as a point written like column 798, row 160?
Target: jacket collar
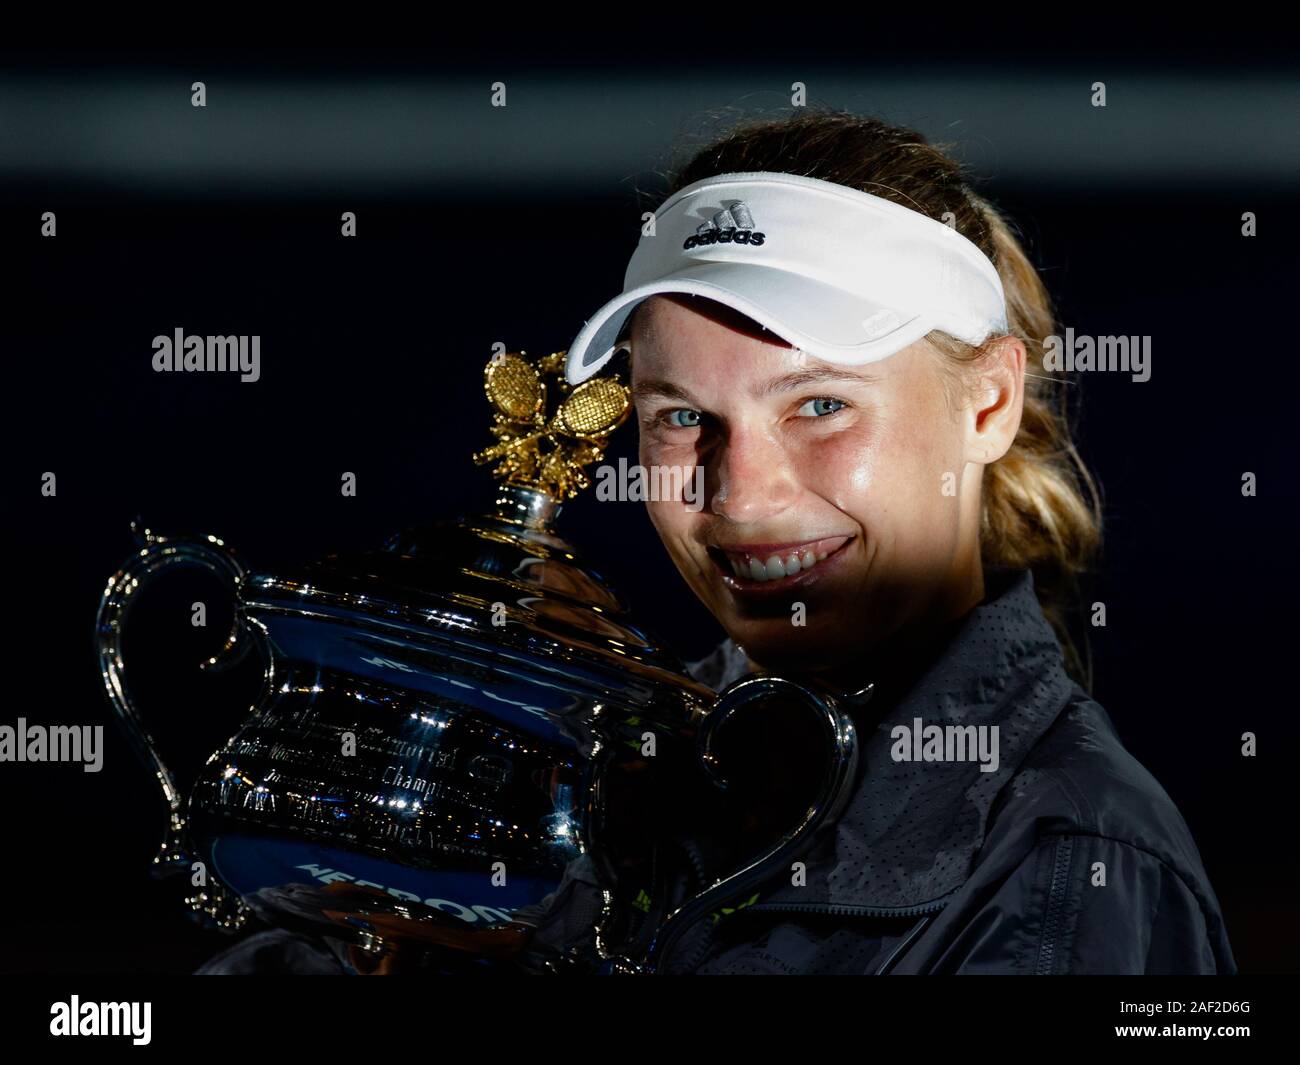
column 910, row 831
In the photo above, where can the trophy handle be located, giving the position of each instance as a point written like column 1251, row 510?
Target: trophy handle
column 831, row 798
column 157, row 553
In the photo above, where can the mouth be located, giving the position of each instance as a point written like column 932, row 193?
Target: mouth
column 777, row 566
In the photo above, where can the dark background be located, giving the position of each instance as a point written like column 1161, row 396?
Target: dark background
column 479, row 225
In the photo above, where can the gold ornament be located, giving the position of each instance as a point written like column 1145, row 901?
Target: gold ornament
column 541, row 452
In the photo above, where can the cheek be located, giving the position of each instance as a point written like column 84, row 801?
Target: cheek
column 656, row 450
column 673, row 520
column 890, row 476
column 920, row 483
column 845, row 468
column 677, row 531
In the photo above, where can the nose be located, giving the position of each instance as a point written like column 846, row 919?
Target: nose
column 755, row 478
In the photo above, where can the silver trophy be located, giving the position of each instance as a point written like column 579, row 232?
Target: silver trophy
column 447, row 722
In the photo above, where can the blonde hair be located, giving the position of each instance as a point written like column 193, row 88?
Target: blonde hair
column 1041, row 507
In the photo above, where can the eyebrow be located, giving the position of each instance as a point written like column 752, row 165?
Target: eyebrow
column 785, row 383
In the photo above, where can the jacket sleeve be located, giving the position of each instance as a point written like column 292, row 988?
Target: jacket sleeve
column 1086, row 904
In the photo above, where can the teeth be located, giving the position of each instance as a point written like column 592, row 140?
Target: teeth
column 776, row 566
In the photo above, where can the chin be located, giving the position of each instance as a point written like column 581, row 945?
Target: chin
column 783, row 648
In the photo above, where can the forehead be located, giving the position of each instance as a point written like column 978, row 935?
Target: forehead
column 677, row 310
column 742, row 357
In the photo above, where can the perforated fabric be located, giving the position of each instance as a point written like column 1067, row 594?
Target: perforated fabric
column 910, row 832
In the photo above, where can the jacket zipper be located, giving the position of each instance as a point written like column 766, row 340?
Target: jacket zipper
column 845, row 910
column 1055, row 905
column 925, row 911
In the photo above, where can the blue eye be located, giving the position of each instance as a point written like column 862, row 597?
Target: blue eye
column 688, row 413
column 819, row 407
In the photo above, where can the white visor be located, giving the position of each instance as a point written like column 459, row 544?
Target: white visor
column 844, row 275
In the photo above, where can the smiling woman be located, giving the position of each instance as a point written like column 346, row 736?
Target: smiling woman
column 969, row 441
column 892, row 500
column 854, row 493
column 891, row 510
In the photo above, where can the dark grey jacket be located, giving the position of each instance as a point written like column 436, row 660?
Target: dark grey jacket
column 1069, row 858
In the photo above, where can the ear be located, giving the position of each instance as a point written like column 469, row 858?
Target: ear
column 997, row 400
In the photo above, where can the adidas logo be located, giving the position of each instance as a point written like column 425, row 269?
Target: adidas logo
column 731, row 225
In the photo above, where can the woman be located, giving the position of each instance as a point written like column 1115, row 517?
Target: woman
column 849, row 341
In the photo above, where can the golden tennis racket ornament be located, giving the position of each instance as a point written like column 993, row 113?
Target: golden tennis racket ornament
column 541, row 450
